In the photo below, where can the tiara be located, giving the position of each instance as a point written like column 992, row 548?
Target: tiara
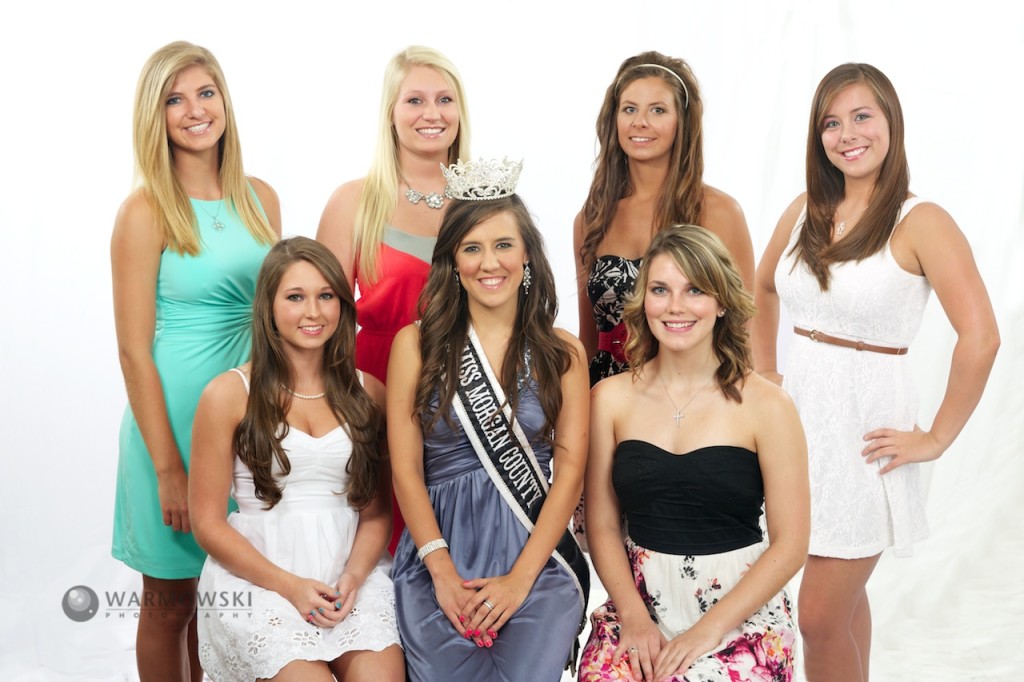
column 481, row 180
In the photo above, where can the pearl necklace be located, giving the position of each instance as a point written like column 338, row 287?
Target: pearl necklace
column 304, row 396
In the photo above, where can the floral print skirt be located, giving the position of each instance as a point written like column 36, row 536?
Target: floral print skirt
column 678, row 590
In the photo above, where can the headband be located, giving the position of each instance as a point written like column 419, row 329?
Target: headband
column 686, row 92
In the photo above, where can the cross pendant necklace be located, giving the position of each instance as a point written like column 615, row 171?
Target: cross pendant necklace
column 679, row 410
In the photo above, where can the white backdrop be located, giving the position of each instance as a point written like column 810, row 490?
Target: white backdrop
column 306, row 78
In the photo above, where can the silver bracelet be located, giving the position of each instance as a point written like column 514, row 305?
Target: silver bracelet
column 431, row 546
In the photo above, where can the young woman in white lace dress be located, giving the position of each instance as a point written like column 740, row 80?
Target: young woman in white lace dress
column 296, row 585
column 854, row 260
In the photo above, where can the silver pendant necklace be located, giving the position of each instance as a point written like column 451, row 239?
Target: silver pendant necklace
column 841, row 225
column 216, row 224
column 431, row 199
column 679, row 410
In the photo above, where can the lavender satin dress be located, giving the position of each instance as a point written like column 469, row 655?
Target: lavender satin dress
column 484, row 539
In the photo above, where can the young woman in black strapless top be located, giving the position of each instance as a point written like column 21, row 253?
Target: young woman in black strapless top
column 687, row 447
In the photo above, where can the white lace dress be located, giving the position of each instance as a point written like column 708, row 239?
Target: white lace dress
column 842, row 394
column 247, row 632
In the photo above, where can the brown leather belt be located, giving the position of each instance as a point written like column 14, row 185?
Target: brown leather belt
column 821, row 337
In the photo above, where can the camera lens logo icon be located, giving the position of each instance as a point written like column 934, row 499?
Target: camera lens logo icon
column 80, row 603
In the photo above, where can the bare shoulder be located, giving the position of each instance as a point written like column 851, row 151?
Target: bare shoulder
column 767, row 399
column 723, row 215
column 337, row 223
column 794, row 209
column 404, row 364
column 135, row 211
column 346, row 197
column 263, row 190
column 571, row 340
column 613, row 389
column 927, row 217
column 374, row 388
column 226, row 396
column 269, row 201
column 136, row 224
column 577, row 231
column 719, row 204
column 407, row 340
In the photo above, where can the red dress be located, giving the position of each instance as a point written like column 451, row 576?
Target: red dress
column 387, row 305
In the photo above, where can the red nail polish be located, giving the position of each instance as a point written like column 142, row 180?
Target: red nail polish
column 462, row 619
column 488, row 644
column 479, row 643
column 492, row 634
column 469, row 634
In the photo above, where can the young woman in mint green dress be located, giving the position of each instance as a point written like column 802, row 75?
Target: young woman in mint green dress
column 186, row 248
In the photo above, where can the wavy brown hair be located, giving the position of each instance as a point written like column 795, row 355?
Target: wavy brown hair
column 826, row 185
column 709, row 266
column 257, row 440
column 682, row 197
column 444, row 313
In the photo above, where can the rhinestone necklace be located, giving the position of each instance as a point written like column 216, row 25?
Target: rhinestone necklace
column 431, row 199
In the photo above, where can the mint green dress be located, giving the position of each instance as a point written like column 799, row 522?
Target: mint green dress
column 203, row 328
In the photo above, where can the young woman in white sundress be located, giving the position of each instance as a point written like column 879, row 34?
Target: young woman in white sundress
column 854, row 260
column 295, row 437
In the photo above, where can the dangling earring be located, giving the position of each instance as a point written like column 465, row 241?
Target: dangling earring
column 527, row 278
column 458, row 282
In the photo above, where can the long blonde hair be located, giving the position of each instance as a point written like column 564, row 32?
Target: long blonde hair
column 154, row 172
column 380, row 189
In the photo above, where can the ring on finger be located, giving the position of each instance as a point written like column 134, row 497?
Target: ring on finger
column 633, row 649
column 489, row 605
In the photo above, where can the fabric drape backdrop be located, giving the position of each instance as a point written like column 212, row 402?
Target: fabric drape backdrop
column 305, row 79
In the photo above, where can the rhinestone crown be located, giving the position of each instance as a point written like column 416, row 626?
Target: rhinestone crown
column 481, row 180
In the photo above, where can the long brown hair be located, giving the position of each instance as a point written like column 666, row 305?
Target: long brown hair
column 682, row 197
column 826, row 185
column 444, row 312
column 257, row 440
column 709, row 266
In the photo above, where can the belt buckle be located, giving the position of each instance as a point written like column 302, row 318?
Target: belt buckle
column 813, row 336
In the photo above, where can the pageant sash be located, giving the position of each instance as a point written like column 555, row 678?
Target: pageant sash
column 505, row 452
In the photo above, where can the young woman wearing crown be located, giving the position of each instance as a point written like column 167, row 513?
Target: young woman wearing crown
column 383, row 227
column 485, row 399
